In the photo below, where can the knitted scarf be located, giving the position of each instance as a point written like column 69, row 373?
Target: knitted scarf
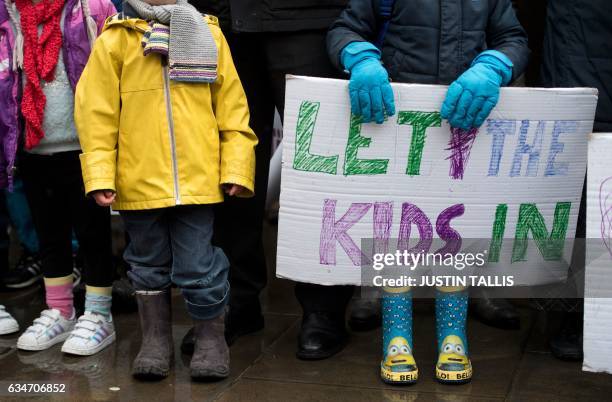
column 40, row 56
column 180, row 32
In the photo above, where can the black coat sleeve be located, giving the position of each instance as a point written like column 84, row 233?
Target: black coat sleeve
column 505, row 34
column 357, row 23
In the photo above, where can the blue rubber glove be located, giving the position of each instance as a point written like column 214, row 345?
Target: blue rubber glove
column 369, row 88
column 472, row 97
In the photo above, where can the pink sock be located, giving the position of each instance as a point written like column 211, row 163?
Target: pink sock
column 59, row 297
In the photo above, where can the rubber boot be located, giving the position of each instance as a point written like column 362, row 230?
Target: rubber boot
column 453, row 366
column 157, row 348
column 398, row 365
column 211, row 357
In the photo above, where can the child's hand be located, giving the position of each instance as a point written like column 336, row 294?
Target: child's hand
column 233, row 189
column 104, row 198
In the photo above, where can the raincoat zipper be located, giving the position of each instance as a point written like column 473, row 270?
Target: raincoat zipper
column 177, row 194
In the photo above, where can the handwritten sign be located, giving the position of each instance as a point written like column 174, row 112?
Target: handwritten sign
column 413, row 178
column 598, row 278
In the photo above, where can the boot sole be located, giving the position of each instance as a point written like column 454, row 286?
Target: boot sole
column 208, row 375
column 404, row 378
column 454, row 377
column 150, row 374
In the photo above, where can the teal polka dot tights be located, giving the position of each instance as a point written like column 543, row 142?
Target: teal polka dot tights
column 451, row 316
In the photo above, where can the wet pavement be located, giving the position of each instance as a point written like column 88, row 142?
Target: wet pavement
column 508, row 365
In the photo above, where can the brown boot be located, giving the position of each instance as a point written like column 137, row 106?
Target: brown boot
column 157, row 348
column 211, row 358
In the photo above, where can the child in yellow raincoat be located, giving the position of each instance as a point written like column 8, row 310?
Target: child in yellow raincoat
column 163, row 123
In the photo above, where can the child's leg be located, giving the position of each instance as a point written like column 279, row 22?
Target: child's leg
column 92, row 228
column 150, row 256
column 453, row 365
column 200, row 270
column 95, row 329
column 398, row 365
column 43, row 177
column 59, row 295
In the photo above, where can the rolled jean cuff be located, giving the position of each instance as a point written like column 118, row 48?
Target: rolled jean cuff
column 150, row 278
column 205, row 311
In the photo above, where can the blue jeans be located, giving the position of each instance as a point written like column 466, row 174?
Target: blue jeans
column 173, row 245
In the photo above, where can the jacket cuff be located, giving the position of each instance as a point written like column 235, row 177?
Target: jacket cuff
column 233, row 178
column 499, row 61
column 355, row 52
column 99, row 169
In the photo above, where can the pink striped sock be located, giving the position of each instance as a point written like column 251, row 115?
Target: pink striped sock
column 60, row 297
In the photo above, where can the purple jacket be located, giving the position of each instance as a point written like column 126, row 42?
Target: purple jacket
column 75, row 50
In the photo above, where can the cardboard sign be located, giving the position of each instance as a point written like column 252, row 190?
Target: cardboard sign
column 598, row 278
column 415, row 179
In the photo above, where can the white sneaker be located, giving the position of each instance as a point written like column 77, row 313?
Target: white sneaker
column 92, row 333
column 8, row 324
column 47, row 330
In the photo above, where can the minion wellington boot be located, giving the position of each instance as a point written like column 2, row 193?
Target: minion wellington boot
column 397, row 366
column 453, row 366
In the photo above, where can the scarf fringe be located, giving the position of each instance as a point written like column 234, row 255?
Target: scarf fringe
column 11, row 8
column 92, row 27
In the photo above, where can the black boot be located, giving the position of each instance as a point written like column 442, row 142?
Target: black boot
column 365, row 314
column 495, row 312
column 157, row 348
column 567, row 343
column 211, row 356
column 323, row 334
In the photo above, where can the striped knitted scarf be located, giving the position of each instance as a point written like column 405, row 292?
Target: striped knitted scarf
column 180, row 32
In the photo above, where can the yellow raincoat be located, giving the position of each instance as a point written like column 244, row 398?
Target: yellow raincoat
column 160, row 143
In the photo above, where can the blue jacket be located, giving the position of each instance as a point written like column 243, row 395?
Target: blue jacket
column 433, row 41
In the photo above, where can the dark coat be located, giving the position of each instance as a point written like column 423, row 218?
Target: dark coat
column 433, row 41
column 578, row 51
column 272, row 15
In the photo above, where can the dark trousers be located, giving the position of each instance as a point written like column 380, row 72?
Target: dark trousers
column 55, row 193
column 262, row 61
